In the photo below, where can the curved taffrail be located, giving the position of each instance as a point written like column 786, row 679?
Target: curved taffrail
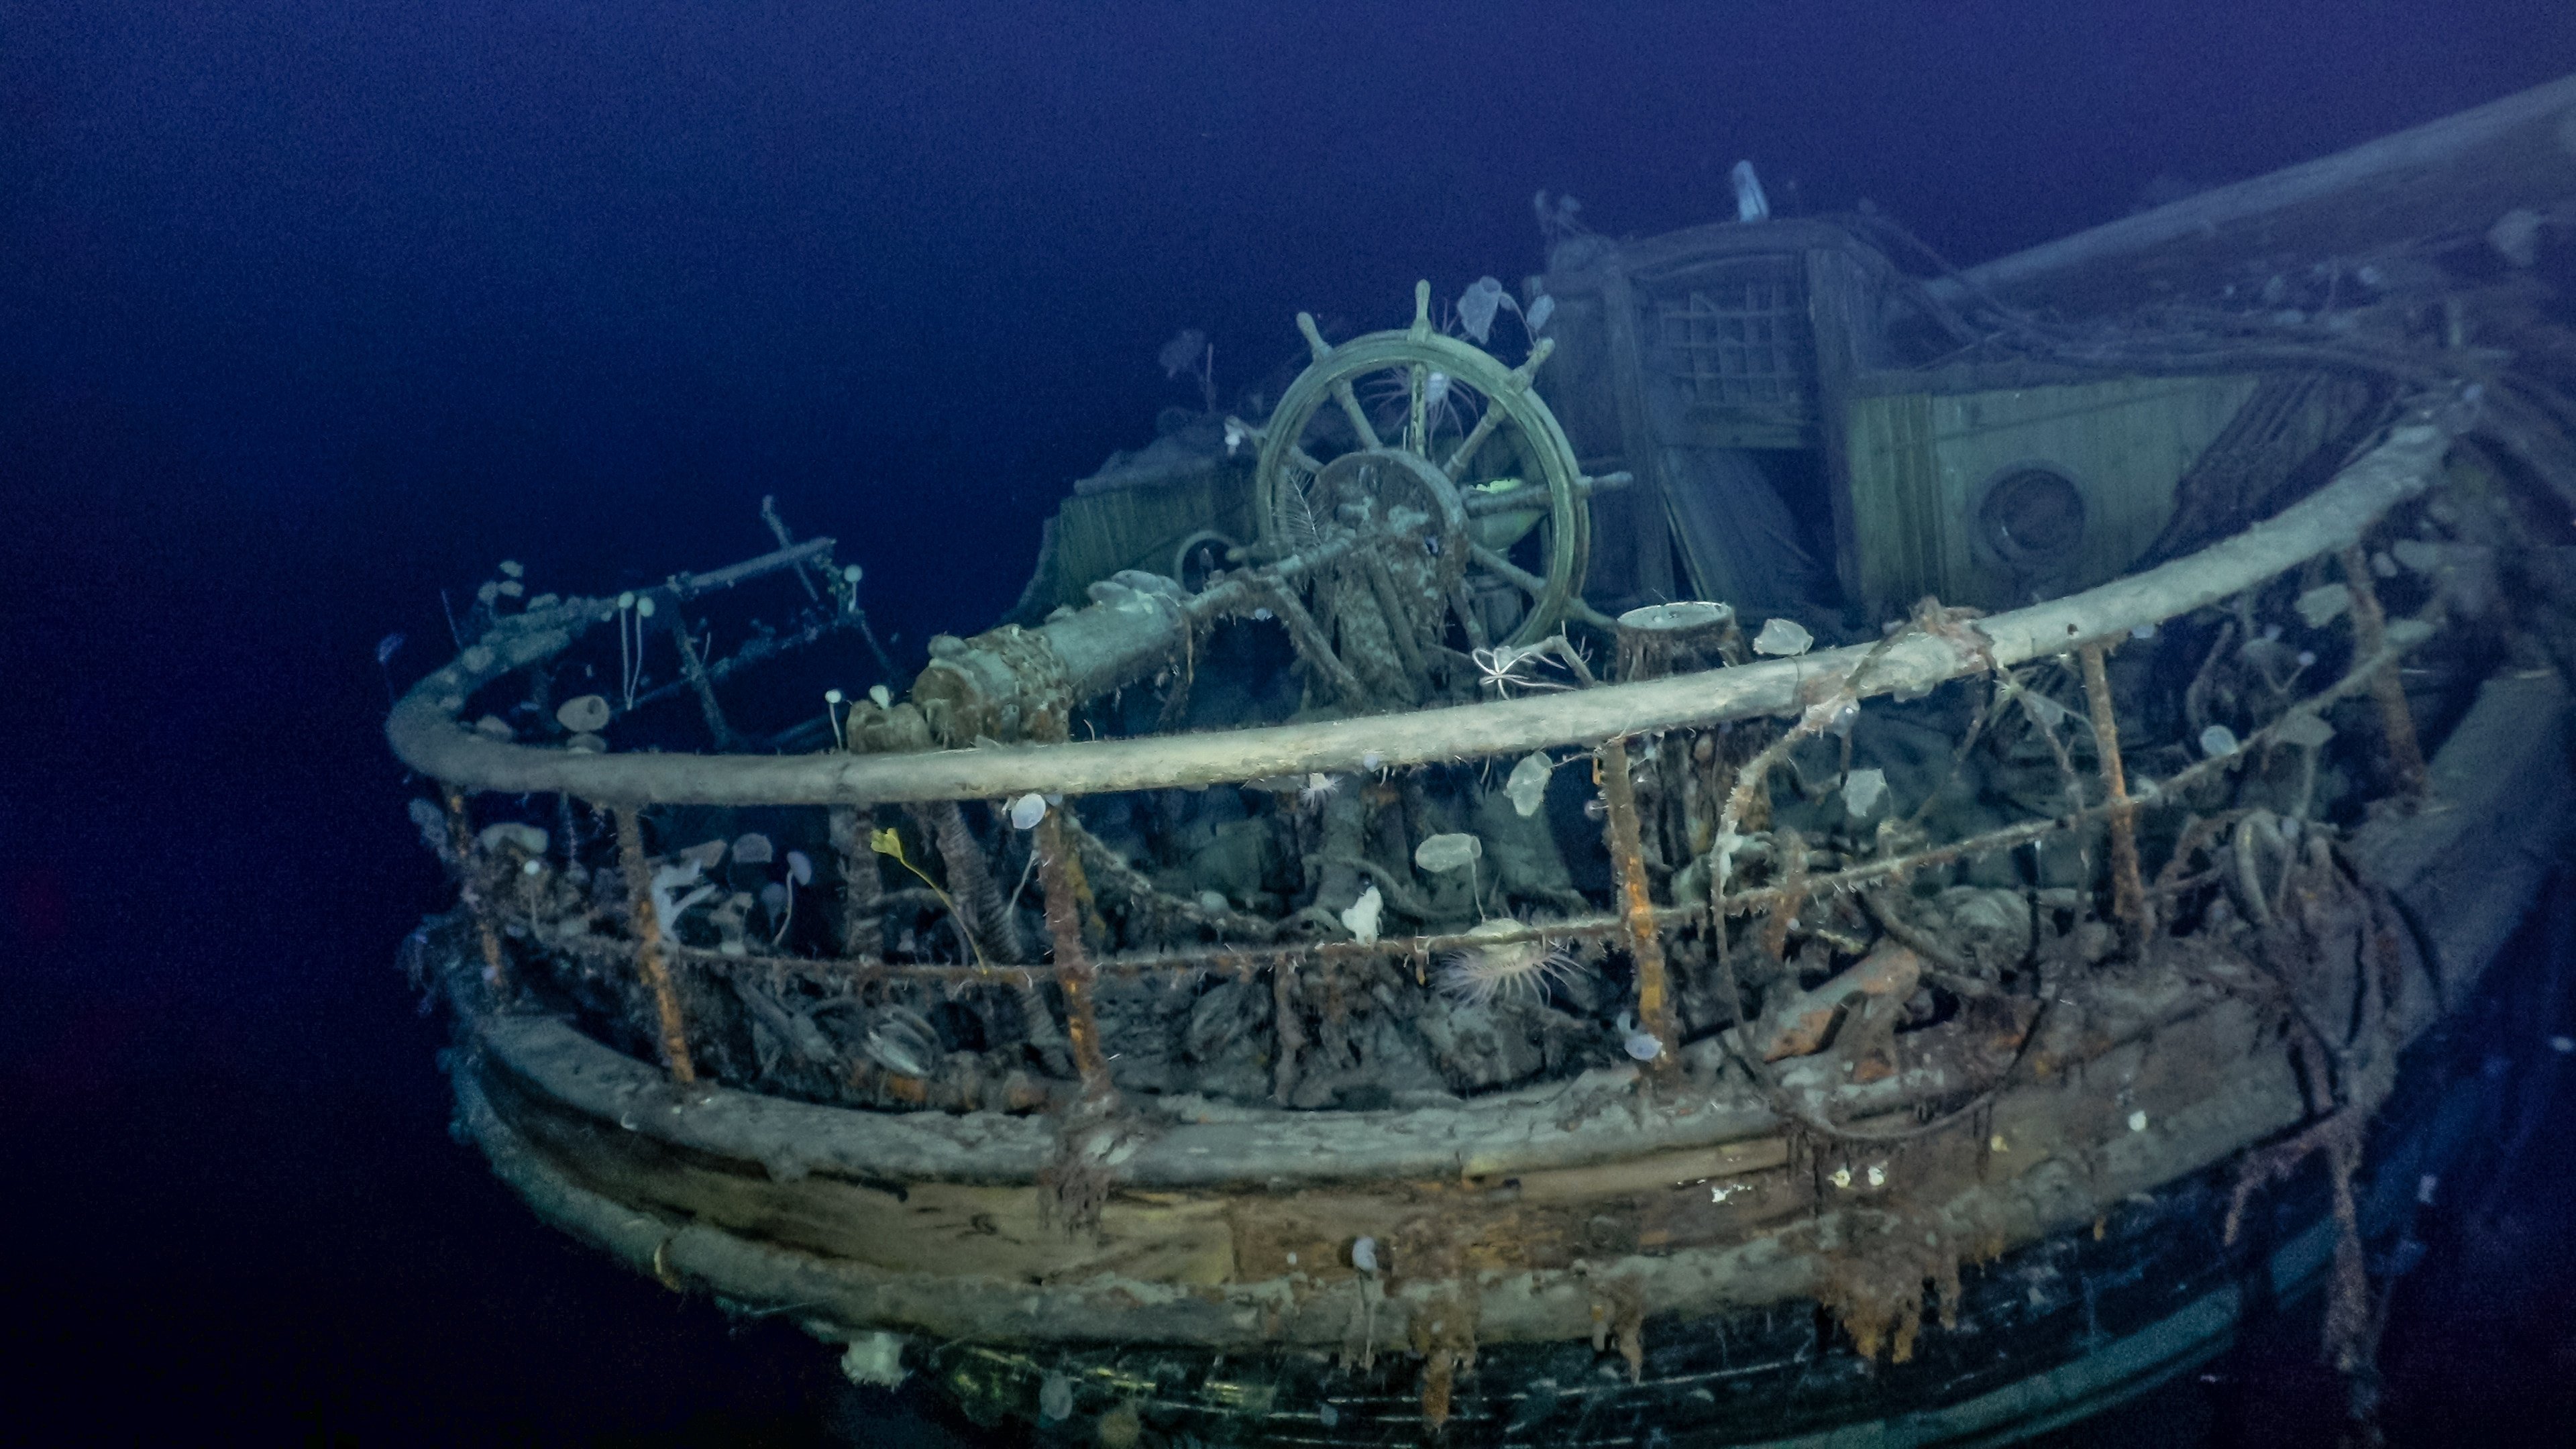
column 424, row 731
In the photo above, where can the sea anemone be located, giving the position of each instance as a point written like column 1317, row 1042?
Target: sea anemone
column 1318, row 789
column 1506, row 970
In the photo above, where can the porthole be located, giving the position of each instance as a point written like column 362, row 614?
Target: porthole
column 2031, row 517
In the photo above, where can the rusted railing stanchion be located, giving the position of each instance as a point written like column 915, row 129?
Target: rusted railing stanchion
column 648, row 947
column 2128, row 889
column 862, row 889
column 2370, row 636
column 1291, row 1033
column 1073, row 969
column 1637, row 905
column 460, row 845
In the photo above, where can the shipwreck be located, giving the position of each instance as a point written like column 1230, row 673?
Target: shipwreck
column 1754, row 840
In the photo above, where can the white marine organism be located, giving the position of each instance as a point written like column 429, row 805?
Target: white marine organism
column 2516, row 236
column 874, row 1358
column 1862, row 790
column 1538, row 313
column 2040, row 707
column 800, row 871
column 2321, row 605
column 1441, row 853
column 1527, row 787
column 1505, row 666
column 1363, row 917
column 528, row 839
column 587, row 715
column 1477, row 306
column 1318, row 789
column 667, row 909
column 1521, row 970
column 1055, row 1399
column 1635, row 1040
column 1783, row 638
column 1750, row 203
column 1446, row 406
column 2309, row 731
column 1027, row 811
column 2218, row 740
column 753, row 849
column 1183, row 352
column 729, row 920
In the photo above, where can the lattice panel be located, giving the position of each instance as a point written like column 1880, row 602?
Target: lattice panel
column 1738, row 337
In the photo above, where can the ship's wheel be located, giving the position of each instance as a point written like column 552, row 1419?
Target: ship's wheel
column 1432, row 436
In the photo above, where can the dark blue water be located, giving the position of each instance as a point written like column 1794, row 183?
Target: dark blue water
column 310, row 310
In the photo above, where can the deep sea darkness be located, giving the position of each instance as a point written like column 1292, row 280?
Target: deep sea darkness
column 310, row 309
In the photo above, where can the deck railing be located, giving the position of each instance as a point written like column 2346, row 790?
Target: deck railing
column 1815, row 692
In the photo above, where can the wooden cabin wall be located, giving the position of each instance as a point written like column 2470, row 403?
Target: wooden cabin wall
column 1922, row 460
column 1631, row 547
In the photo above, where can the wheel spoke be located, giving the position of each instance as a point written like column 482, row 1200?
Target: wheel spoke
column 1358, row 415
column 1531, row 584
column 1463, row 604
column 1475, row 439
column 1506, row 570
column 1416, row 440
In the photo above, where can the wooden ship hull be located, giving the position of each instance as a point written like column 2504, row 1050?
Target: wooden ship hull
column 1763, row 1087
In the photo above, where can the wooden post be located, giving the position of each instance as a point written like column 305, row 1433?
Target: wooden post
column 2369, row 637
column 1073, row 970
column 1843, row 324
column 648, row 947
column 1639, row 447
column 1636, row 903
column 2128, row 891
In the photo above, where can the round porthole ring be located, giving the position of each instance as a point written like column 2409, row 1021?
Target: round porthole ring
column 2029, row 553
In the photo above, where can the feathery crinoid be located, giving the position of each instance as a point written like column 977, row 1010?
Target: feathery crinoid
column 1506, row 970
column 1297, row 520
